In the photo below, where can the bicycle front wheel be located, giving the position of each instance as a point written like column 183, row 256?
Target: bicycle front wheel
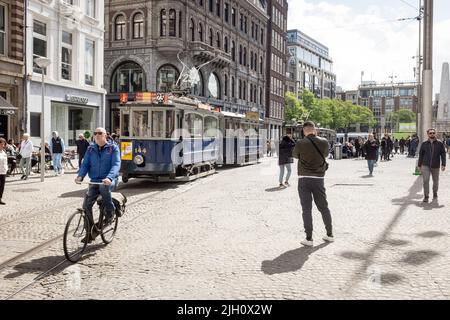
column 76, row 236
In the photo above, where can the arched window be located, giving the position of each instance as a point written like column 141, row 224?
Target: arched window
column 166, row 78
column 192, row 29
column 128, row 77
column 218, row 40
column 138, row 26
column 214, row 86
column 233, row 87
column 196, row 79
column 211, row 37
column 225, row 86
column 245, row 57
column 260, row 96
column 163, row 23
column 240, row 54
column 233, row 51
column 200, row 31
column 225, row 44
column 172, row 23
column 120, row 27
column 251, row 60
column 240, row 89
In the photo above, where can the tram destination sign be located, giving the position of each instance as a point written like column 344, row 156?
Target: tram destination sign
column 76, row 99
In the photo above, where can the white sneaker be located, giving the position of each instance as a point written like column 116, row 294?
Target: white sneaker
column 62, row 172
column 307, row 243
column 328, row 239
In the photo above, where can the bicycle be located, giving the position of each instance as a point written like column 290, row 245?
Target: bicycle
column 78, row 230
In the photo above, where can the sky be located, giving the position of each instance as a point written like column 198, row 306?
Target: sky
column 364, row 36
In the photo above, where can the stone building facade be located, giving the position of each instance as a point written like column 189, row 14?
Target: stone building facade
column 145, row 41
column 12, row 28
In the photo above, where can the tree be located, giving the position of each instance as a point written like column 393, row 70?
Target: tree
column 401, row 116
column 294, row 108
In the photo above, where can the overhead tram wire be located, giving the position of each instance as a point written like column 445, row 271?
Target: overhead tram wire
column 409, row 4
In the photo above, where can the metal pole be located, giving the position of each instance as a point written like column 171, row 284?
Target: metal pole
column 42, row 131
column 419, row 75
column 427, row 110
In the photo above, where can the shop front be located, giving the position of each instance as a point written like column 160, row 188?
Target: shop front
column 7, row 112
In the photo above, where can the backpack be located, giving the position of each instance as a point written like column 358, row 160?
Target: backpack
column 119, row 201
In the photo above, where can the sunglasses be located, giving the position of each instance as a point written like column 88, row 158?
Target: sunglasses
column 98, row 133
column 431, row 133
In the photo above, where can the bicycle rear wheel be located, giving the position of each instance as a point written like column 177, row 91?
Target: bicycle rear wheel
column 109, row 231
column 76, row 230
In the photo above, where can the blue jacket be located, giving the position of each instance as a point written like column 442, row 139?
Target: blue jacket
column 101, row 165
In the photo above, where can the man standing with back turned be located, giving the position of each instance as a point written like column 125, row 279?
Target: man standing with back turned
column 312, row 152
column 431, row 154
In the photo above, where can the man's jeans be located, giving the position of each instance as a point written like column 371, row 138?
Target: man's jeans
column 25, row 166
column 426, row 172
column 371, row 164
column 92, row 195
column 57, row 162
column 289, row 171
column 307, row 189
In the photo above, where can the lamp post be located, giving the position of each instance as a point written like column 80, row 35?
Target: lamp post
column 42, row 63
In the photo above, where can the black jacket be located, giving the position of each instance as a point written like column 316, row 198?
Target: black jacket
column 82, row 146
column 432, row 155
column 285, row 154
column 371, row 150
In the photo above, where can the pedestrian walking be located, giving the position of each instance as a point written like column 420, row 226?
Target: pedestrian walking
column 432, row 158
column 371, row 148
column 285, row 159
column 312, row 152
column 3, row 168
column 82, row 146
column 57, row 149
column 414, row 144
column 269, row 148
column 26, row 151
column 402, row 143
column 396, row 146
column 448, row 146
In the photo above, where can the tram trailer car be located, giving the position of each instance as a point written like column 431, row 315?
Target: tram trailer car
column 153, row 144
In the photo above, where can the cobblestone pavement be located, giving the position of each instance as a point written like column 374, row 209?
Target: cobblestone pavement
column 235, row 235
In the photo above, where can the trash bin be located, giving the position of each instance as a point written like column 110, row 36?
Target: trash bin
column 338, row 152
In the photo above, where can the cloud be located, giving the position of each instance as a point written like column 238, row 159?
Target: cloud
column 367, row 39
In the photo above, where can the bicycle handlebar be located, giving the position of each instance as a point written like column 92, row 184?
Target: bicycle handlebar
column 90, row 183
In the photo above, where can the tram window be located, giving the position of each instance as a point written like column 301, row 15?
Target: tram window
column 170, row 123
column 194, row 124
column 157, row 124
column 125, row 125
column 210, row 127
column 140, row 124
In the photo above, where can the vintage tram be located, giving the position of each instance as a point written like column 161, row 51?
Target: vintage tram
column 296, row 131
column 166, row 137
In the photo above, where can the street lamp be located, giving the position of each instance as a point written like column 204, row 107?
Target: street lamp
column 42, row 63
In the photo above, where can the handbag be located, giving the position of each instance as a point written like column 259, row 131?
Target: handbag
column 325, row 163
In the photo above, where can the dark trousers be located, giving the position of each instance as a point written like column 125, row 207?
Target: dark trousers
column 92, row 195
column 309, row 188
column 2, row 184
column 80, row 160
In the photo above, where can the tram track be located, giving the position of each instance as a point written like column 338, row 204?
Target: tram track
column 48, row 243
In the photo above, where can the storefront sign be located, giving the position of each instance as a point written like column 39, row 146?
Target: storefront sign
column 126, row 150
column 76, row 99
column 7, row 112
column 252, row 116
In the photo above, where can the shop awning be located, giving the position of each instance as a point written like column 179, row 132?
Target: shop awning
column 6, row 107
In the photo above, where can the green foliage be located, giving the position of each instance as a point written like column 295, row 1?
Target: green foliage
column 329, row 113
column 401, row 116
column 87, row 134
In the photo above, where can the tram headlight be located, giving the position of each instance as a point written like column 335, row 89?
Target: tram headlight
column 139, row 159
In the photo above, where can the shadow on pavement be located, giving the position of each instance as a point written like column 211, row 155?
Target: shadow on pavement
column 290, row 261
column 431, row 234
column 44, row 264
column 276, row 189
column 417, row 258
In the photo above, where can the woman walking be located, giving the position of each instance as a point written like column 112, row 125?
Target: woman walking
column 285, row 159
column 3, row 167
column 371, row 147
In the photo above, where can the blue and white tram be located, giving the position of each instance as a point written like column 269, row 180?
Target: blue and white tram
column 174, row 140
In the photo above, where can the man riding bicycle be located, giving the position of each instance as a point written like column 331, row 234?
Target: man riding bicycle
column 102, row 163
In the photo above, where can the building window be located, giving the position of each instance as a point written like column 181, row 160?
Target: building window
column 211, row 6
column 211, row 37
column 251, row 60
column 214, row 86
column 192, row 29
column 172, row 23
column 166, row 78
column 39, row 43
column 66, row 56
column 89, row 62
column 260, row 96
column 225, row 44
column 241, row 21
column 163, row 23
column 138, row 26
column 3, row 31
column 245, row 57
column 240, row 54
column 233, row 87
column 233, row 17
column 128, row 77
column 233, row 51
column 180, row 24
column 262, row 36
column 226, row 12
column 90, row 8
column 218, row 8
column 196, row 83
column 240, row 89
column 200, row 31
column 244, row 90
column 218, row 40
column 261, row 64
column 201, row 3
column 245, row 25
column 120, row 27
column 225, row 91
column 35, row 124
